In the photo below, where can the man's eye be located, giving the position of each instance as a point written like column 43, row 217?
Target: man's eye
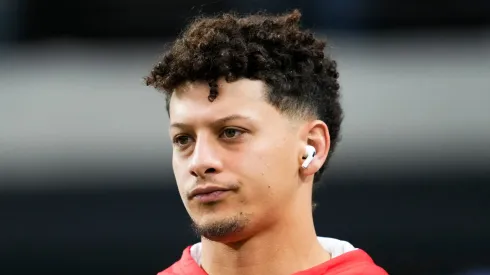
column 182, row 140
column 230, row 133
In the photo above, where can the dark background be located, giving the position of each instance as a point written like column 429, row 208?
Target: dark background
column 86, row 185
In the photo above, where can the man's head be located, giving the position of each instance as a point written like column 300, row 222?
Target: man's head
column 245, row 96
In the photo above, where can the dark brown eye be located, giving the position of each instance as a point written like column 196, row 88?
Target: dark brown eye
column 231, row 133
column 182, row 140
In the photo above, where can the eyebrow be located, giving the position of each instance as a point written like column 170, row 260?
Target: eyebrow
column 217, row 122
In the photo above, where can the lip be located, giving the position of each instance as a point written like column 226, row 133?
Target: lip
column 207, row 190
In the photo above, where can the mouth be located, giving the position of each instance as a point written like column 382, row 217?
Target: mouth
column 207, row 194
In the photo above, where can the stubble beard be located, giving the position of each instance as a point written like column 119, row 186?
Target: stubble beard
column 220, row 229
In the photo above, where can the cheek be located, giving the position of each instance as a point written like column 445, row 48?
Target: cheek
column 180, row 173
column 253, row 162
column 262, row 168
column 278, row 169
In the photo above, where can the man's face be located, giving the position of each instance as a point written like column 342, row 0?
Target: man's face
column 239, row 145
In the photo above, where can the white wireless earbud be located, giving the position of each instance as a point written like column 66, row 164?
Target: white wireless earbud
column 310, row 153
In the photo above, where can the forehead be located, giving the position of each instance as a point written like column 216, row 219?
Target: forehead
column 244, row 97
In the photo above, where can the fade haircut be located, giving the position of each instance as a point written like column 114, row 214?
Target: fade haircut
column 300, row 79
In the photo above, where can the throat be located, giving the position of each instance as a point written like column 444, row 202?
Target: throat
column 258, row 257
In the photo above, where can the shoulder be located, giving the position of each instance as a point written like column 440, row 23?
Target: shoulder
column 365, row 270
column 356, row 262
column 172, row 270
column 186, row 265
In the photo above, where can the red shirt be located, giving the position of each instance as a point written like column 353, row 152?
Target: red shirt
column 356, row 262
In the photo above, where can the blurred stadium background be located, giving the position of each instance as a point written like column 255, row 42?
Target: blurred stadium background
column 86, row 185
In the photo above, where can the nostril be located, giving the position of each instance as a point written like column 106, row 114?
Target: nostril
column 210, row 170
column 201, row 173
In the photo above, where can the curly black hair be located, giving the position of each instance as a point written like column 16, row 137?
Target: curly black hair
column 300, row 79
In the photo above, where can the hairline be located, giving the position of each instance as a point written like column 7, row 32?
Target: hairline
column 299, row 114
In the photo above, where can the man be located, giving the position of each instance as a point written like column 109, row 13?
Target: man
column 246, row 97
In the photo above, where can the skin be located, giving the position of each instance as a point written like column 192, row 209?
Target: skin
column 257, row 152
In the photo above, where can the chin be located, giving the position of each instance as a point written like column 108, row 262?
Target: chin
column 221, row 229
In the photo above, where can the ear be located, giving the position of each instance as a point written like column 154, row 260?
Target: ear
column 316, row 134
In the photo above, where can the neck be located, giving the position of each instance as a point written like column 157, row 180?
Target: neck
column 284, row 248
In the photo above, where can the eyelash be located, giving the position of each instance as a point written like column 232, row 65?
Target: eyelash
column 234, row 129
column 240, row 133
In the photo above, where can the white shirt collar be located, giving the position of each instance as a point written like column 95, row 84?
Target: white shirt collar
column 333, row 246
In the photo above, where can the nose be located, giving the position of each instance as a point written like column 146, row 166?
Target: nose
column 205, row 160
